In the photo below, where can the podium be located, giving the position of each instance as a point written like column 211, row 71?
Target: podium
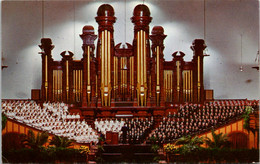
column 112, row 138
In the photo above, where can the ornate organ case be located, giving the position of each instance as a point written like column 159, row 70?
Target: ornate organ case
column 134, row 73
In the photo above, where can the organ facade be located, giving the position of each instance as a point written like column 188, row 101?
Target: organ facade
column 135, row 74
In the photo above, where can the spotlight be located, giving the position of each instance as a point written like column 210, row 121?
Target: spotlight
column 241, row 68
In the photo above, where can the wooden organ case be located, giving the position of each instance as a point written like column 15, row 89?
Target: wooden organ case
column 135, row 74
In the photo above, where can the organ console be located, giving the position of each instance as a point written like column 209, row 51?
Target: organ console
column 136, row 73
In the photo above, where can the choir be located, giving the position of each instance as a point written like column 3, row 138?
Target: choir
column 190, row 119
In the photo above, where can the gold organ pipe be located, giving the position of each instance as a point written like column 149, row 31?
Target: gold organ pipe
column 184, row 86
column 53, row 83
column 169, row 84
column 77, row 86
column 80, row 81
column 186, row 83
column 57, row 85
column 165, row 79
column 67, row 73
column 77, row 83
column 115, row 74
column 121, row 72
column 191, row 86
column 126, row 75
column 67, row 78
column 74, row 86
column 60, row 75
column 105, row 58
column 130, row 77
column 80, row 84
column 138, row 66
column 165, row 84
column 198, row 78
column 88, row 66
column 144, row 57
column 141, row 73
column 144, row 68
column 116, row 70
column 133, row 83
column 88, row 85
column 178, row 80
column 124, row 72
column 188, row 88
column 178, row 75
column 46, row 70
column 106, row 66
column 188, row 78
column 57, row 81
column 198, row 70
column 76, row 76
column 122, row 76
column 102, row 67
column 142, row 64
column 60, row 84
column 171, row 74
column 108, row 63
column 158, row 65
column 46, row 77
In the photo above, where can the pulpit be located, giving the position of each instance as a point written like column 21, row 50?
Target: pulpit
column 112, row 137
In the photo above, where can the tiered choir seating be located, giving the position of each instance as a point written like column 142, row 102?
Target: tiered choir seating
column 52, row 117
column 190, row 119
column 193, row 119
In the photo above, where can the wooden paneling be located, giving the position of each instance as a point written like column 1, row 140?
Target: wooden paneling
column 35, row 94
column 209, row 95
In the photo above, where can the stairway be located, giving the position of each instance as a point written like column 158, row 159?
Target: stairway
column 128, row 153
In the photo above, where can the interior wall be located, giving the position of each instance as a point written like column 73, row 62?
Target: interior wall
column 24, row 23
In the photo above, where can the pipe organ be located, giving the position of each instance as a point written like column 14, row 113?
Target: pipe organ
column 109, row 73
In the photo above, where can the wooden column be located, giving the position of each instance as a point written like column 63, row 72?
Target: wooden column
column 198, row 47
column 105, row 53
column 141, row 19
column 157, row 38
column 88, row 37
column 46, row 89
